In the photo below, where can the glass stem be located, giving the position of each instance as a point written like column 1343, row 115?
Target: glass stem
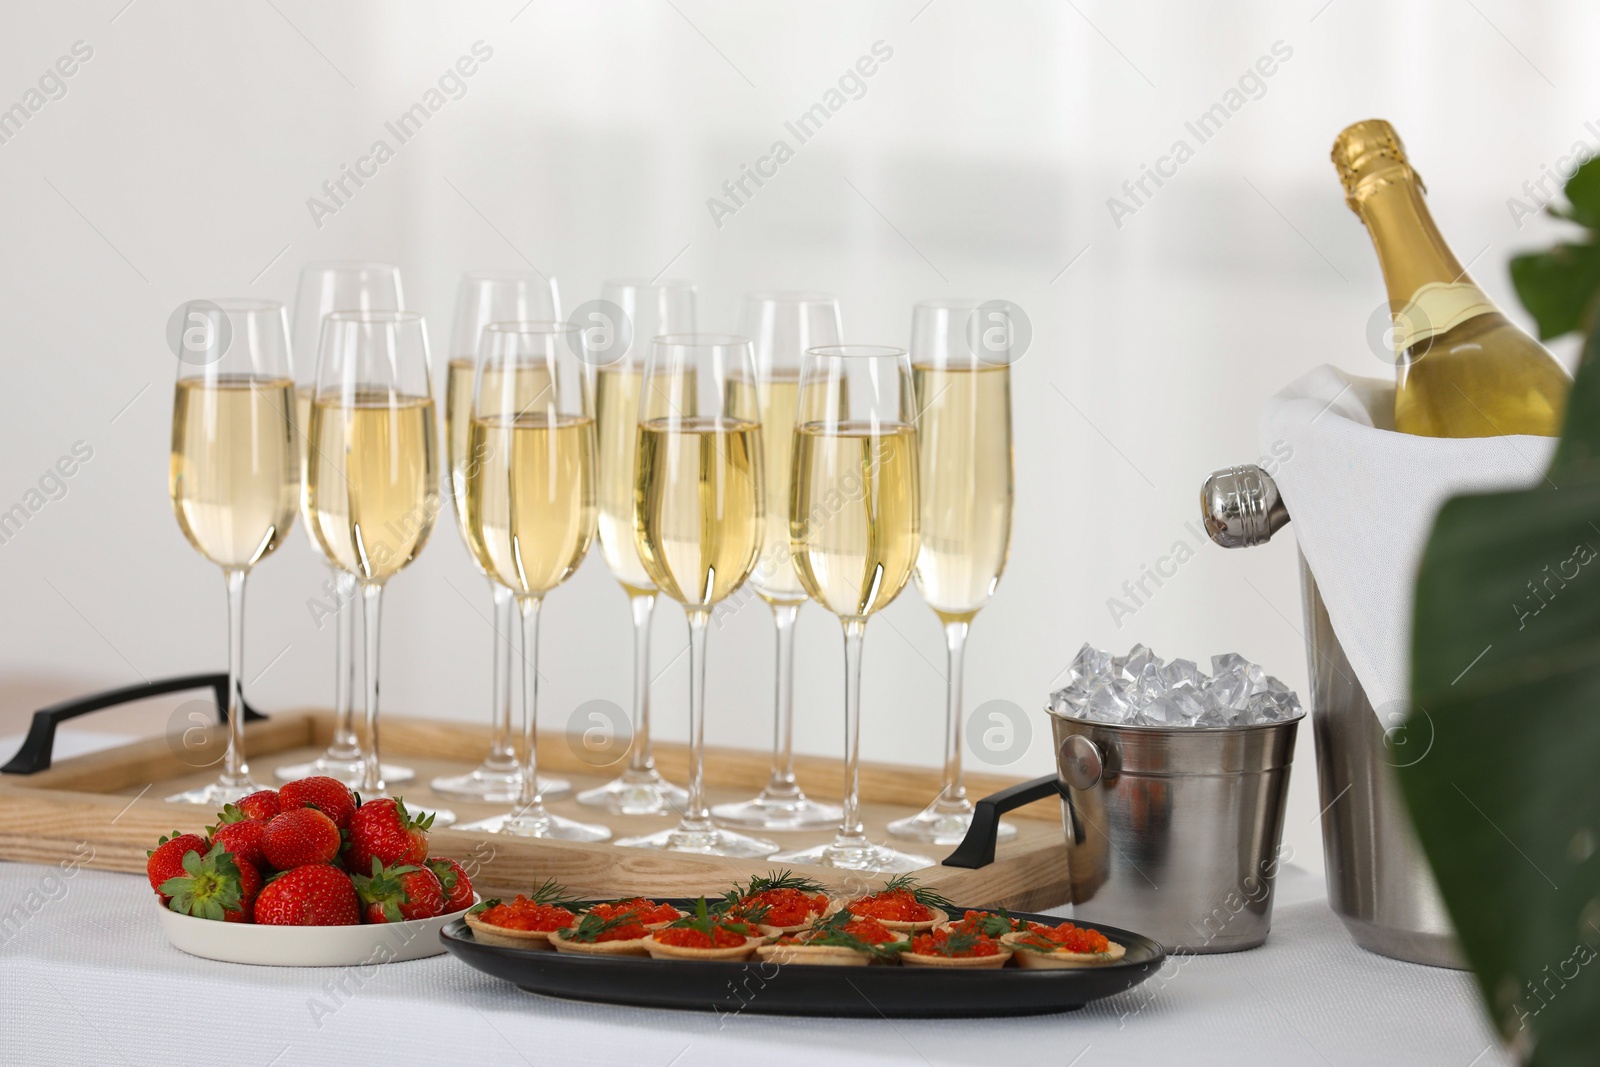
column 781, row 786
column 697, row 815
column 851, row 832
column 372, row 607
column 502, row 749
column 346, row 745
column 954, row 794
column 235, row 772
column 530, row 801
column 642, row 760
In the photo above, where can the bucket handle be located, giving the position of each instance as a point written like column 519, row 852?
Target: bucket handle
column 977, row 848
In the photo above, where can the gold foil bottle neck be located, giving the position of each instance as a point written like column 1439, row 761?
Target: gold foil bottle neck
column 1368, row 155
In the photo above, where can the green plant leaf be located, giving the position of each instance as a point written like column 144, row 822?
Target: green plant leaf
column 1583, row 194
column 1506, row 696
column 1559, row 287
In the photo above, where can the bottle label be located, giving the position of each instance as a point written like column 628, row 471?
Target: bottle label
column 1436, row 308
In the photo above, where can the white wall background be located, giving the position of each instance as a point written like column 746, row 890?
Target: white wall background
column 978, row 162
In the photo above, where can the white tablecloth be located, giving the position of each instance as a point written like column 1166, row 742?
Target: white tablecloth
column 88, row 979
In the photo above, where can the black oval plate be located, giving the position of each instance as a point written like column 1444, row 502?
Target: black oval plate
column 767, row 988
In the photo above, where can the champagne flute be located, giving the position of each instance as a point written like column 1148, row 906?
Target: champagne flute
column 530, row 510
column 856, row 529
column 372, row 473
column 325, row 287
column 697, row 514
column 618, row 352
column 483, row 297
column 964, row 429
column 234, row 475
column 782, row 327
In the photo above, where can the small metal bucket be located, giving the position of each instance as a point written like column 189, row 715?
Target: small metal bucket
column 1175, row 833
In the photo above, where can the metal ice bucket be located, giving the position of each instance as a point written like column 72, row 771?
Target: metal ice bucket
column 1379, row 882
column 1175, row 832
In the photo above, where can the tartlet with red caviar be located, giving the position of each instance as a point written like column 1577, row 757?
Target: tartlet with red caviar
column 1063, row 946
column 780, row 903
column 524, row 922
column 704, row 936
column 620, row 935
column 962, row 944
column 840, row 939
column 901, row 905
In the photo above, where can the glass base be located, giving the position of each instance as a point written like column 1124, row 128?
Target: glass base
column 490, row 783
column 704, row 840
column 539, row 823
column 347, row 771
column 944, row 824
column 778, row 812
column 216, row 794
column 858, row 856
column 637, row 793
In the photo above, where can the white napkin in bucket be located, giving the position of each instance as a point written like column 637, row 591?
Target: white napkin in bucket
column 1362, row 499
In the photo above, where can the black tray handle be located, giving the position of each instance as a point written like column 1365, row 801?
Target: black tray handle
column 977, row 848
column 34, row 755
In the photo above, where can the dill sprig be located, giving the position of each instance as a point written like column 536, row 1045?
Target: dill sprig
column 708, row 922
column 995, row 924
column 830, row 931
column 556, row 895
column 734, row 905
column 927, row 896
column 956, row 943
column 785, row 879
column 591, row 926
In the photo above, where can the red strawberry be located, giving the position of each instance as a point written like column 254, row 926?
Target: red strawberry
column 299, row 837
column 384, row 829
column 315, row 895
column 262, row 804
column 398, row 893
column 214, row 886
column 239, row 835
column 166, row 859
column 329, row 795
column 457, row 886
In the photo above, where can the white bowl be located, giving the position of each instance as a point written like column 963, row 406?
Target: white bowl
column 304, row 946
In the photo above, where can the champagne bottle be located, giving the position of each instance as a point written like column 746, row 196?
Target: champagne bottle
column 1463, row 369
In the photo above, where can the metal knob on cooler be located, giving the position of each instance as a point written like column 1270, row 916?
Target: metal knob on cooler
column 1379, row 883
column 1242, row 507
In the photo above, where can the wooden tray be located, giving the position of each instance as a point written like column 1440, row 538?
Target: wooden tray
column 109, row 802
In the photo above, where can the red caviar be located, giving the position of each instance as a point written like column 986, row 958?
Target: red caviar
column 869, row 930
column 937, row 943
column 649, row 912
column 1066, row 936
column 895, row 905
column 974, row 921
column 785, row 907
column 525, row 914
column 688, row 937
column 625, row 932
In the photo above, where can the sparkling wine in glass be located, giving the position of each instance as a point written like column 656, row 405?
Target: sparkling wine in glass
column 698, row 513
column 618, row 330
column 372, row 472
column 856, row 528
column 530, row 509
column 486, row 296
column 781, row 326
column 235, row 473
column 961, row 369
column 326, row 287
